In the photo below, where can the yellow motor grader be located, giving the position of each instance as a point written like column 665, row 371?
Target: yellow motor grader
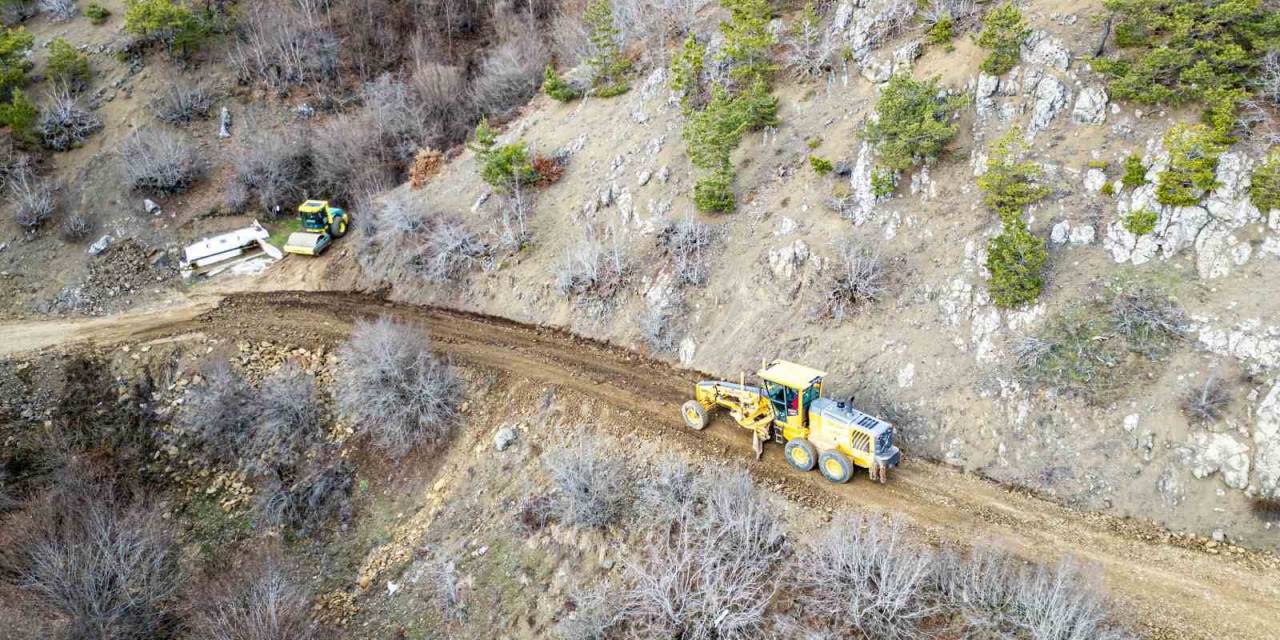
column 788, row 407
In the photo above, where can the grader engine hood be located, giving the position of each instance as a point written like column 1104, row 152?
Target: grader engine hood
column 880, row 432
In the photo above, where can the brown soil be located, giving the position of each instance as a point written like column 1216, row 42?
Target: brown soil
column 1176, row 587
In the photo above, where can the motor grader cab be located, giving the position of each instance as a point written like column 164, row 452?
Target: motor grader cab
column 321, row 224
column 788, row 407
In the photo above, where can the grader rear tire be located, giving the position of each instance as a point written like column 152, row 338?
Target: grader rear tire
column 801, row 454
column 695, row 415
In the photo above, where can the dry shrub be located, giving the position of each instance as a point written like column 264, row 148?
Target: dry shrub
column 425, row 166
column 444, row 101
column 65, row 123
column 306, row 498
column 286, row 421
column 77, row 227
column 549, row 170
column 154, row 159
column 1205, row 403
column 400, row 240
column 272, row 170
column 510, row 73
column 594, row 267
column 713, row 572
column 32, row 197
column 217, row 413
column 267, row 604
column 859, row 277
column 106, row 565
column 181, row 104
column 866, row 577
column 592, row 481
column 394, row 390
column 687, row 245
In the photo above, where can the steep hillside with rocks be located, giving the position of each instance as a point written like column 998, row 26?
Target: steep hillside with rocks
column 935, row 353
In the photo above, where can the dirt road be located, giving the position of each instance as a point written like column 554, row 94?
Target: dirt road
column 1173, row 590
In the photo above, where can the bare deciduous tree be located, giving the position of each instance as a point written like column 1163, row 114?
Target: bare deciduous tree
column 594, row 267
column 65, row 123
column 157, row 160
column 286, row 43
column 394, row 390
column 688, row 244
column 268, row 604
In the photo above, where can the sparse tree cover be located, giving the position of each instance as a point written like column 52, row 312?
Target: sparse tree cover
column 913, row 123
column 1003, row 31
column 1016, row 258
column 714, row 130
column 1203, row 50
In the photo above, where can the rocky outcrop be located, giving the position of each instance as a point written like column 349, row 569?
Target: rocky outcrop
column 1042, row 48
column 1210, row 453
column 1050, row 98
column 1209, row 230
column 1266, row 442
column 1091, row 106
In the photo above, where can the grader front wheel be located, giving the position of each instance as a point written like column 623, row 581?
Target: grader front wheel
column 695, row 415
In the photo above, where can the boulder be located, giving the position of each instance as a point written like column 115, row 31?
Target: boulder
column 1042, row 48
column 1094, row 179
column 504, row 438
column 1220, row 453
column 907, row 54
column 100, row 245
column 1091, row 106
column 877, row 71
column 1050, row 97
column 1266, row 440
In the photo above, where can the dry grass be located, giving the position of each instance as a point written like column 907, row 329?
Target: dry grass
column 1207, row 402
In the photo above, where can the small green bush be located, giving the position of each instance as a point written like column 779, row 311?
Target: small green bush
column 821, row 165
column 1096, row 347
column 68, row 66
column 97, row 13
column 555, row 86
column 1265, row 188
column 1193, row 165
column 608, row 66
column 813, row 143
column 1003, row 31
column 942, row 31
column 502, row 166
column 15, row 44
column 1135, row 173
column 1099, row 164
column 1141, row 222
column 1009, row 184
column 1016, row 259
column 713, row 193
column 20, row 114
column 686, row 71
column 884, row 181
column 1108, row 188
column 168, row 22
column 913, row 123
